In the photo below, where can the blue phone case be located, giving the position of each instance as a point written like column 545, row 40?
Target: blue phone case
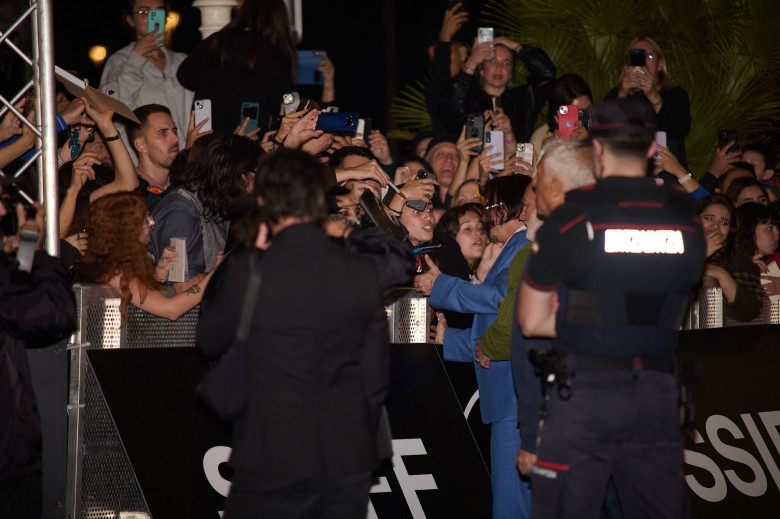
column 337, row 121
column 306, row 72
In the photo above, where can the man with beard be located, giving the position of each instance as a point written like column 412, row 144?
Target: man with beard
column 157, row 143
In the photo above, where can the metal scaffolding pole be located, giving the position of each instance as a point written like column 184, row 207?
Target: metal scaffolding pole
column 43, row 71
column 40, row 18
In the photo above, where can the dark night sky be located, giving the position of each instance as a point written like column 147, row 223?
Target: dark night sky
column 352, row 31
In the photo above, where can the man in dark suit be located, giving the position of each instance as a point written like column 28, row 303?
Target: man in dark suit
column 317, row 359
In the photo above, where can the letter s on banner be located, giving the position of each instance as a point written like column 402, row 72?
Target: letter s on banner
column 213, row 458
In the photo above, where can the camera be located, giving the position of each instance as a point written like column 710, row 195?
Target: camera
column 584, row 116
column 9, row 224
column 421, row 174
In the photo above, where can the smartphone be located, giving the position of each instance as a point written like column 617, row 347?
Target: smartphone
column 452, row 3
column 290, row 101
column 306, row 103
column 727, row 136
column 525, row 151
column 308, row 62
column 567, row 116
column 274, row 123
column 337, row 122
column 156, row 21
column 202, row 110
column 363, row 130
column 495, row 139
column 637, row 58
column 475, row 127
column 252, row 111
column 421, row 174
column 485, row 35
column 495, row 101
column 584, row 116
column 660, row 138
column 331, row 109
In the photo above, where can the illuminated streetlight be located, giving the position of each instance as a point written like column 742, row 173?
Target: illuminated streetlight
column 98, row 54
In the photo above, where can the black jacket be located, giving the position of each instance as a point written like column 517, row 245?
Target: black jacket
column 36, row 308
column 318, row 358
column 521, row 104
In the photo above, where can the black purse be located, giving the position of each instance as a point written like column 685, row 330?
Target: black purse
column 225, row 387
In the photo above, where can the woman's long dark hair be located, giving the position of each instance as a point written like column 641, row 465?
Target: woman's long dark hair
column 261, row 19
column 750, row 216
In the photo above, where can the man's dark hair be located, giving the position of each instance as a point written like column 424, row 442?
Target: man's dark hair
column 504, row 198
column 221, row 172
column 291, row 183
column 625, row 126
column 143, row 113
column 337, row 157
column 736, row 187
column 769, row 154
column 566, row 89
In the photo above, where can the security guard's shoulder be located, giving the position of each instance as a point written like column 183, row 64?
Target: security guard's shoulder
column 566, row 216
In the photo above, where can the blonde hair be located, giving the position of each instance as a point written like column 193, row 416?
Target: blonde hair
column 664, row 81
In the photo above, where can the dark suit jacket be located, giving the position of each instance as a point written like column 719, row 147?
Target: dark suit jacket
column 318, row 358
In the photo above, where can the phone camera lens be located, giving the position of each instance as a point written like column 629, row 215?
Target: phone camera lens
column 349, row 121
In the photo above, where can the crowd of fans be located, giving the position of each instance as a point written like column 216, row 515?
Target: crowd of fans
column 461, row 219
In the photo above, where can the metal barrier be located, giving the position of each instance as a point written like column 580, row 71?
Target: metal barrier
column 101, row 483
column 707, row 311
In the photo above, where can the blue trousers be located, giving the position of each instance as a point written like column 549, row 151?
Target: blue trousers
column 511, row 495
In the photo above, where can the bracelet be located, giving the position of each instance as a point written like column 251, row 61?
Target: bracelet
column 686, row 178
column 394, row 211
column 277, row 143
column 114, row 138
column 468, row 70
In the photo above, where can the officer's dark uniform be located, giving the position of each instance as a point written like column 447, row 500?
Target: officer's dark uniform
column 623, row 256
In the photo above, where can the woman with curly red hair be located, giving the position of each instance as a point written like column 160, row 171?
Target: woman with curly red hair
column 118, row 226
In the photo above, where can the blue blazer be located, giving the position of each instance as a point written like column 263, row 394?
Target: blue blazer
column 496, row 393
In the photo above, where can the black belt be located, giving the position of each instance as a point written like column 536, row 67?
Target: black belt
column 591, row 362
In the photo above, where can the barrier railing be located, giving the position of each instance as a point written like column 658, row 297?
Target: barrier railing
column 101, row 483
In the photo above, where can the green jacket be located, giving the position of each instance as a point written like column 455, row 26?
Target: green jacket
column 497, row 342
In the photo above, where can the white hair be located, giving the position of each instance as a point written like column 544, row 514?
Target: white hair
column 570, row 161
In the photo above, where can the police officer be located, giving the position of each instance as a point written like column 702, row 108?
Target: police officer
column 609, row 280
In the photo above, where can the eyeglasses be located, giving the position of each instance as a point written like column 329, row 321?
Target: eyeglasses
column 144, row 11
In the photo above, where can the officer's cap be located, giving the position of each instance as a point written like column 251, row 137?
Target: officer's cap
column 632, row 115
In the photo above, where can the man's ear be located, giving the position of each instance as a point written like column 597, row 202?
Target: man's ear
column 140, row 144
